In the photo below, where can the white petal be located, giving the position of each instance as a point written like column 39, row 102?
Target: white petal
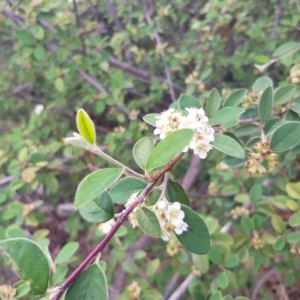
column 161, row 204
column 176, row 205
column 176, row 222
column 180, row 214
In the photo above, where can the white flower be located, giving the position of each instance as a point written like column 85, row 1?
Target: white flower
column 132, row 199
column 181, row 227
column 163, row 131
column 208, row 132
column 38, row 109
column 174, row 214
column 201, row 149
column 197, row 116
column 165, row 235
column 107, row 226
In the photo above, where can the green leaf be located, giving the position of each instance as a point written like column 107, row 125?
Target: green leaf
column 151, row 119
column 86, row 126
column 90, row 285
column 222, row 280
column 262, row 83
column 59, row 84
column 265, row 106
column 293, row 189
column 187, row 101
column 66, row 252
column 213, row 102
column 278, row 224
column 39, row 52
column 100, row 210
column 241, row 298
column 96, row 183
column 31, row 262
column 285, row 136
column 295, row 219
column 25, row 38
column 235, row 98
column 284, row 94
column 279, row 245
column 152, row 267
column 201, row 262
column 255, row 192
column 217, row 295
column 169, row 147
column 225, row 114
column 121, row 191
column 233, row 161
column 230, row 123
column 285, row 49
column 196, row 239
column 228, row 145
column 149, row 222
column 176, row 193
column 231, row 261
column 293, row 237
column 142, row 150
column 247, row 225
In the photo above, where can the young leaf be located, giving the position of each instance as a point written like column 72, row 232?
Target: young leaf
column 213, row 102
column 196, row 239
column 59, row 84
column 187, row 101
column 265, row 106
column 91, row 284
column 169, row 147
column 222, row 280
column 293, row 189
column 285, row 136
column 121, row 191
column 285, row 49
column 151, row 119
column 225, row 114
column 32, row 264
column 94, row 184
column 278, row 224
column 201, row 262
column 262, row 83
column 86, row 126
column 176, row 193
column 235, row 98
column 295, row 219
column 148, row 222
column 142, row 150
column 66, row 252
column 228, row 145
column 284, row 94
column 100, row 210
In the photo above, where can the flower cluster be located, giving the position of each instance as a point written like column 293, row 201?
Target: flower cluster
column 295, row 74
column 257, row 242
column 239, row 211
column 133, row 216
column 170, row 217
column 172, row 120
column 254, row 163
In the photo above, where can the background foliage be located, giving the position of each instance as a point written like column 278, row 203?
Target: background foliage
column 121, row 60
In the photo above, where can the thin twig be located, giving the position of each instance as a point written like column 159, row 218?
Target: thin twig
column 112, row 11
column 261, row 282
column 160, row 49
column 182, row 288
column 78, row 25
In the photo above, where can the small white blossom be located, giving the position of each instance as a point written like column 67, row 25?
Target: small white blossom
column 181, row 228
column 201, row 149
column 38, row 109
column 174, row 214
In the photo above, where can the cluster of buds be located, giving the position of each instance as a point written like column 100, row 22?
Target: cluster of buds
column 195, row 271
column 134, row 291
column 252, row 97
column 172, row 120
column 239, row 211
column 212, row 189
column 295, row 74
column 7, row 292
column 194, row 78
column 172, row 247
column 256, row 242
column 225, row 92
column 27, row 209
column 262, row 153
column 133, row 215
column 295, row 249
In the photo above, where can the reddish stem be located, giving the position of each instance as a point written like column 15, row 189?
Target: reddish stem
column 120, row 221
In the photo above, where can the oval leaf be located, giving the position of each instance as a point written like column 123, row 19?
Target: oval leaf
column 295, row 220
column 100, row 210
column 121, row 191
column 225, row 114
column 262, row 83
column 265, row 106
column 235, row 98
column 169, row 147
column 94, row 184
column 59, row 84
column 66, row 252
column 213, row 102
column 142, row 150
column 285, row 136
column 32, row 264
column 196, row 239
column 91, row 284
column 176, row 193
column 151, row 119
column 284, row 94
column 148, row 222
column 228, row 146
column 285, row 49
column 187, row 101
column 86, row 126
